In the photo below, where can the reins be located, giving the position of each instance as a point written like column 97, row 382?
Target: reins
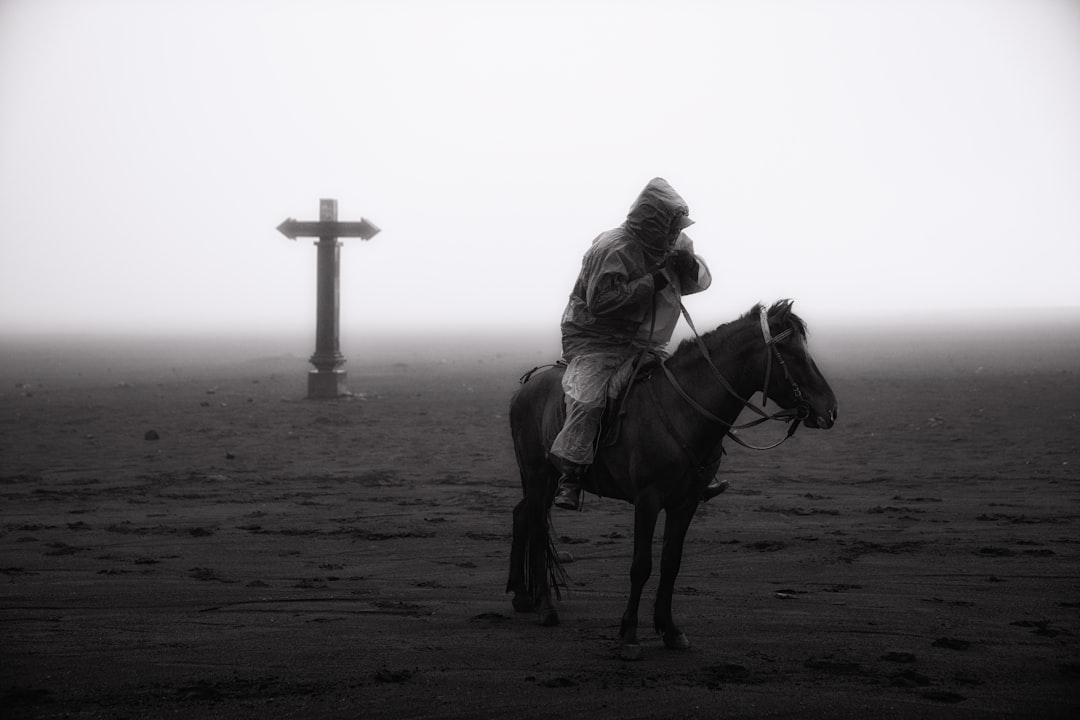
column 795, row 417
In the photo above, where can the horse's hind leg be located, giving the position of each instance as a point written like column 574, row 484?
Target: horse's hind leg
column 540, row 562
column 517, row 583
column 530, row 559
column 533, row 423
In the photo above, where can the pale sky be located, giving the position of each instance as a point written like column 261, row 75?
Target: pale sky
column 860, row 157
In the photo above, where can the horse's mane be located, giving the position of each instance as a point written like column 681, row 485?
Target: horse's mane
column 780, row 309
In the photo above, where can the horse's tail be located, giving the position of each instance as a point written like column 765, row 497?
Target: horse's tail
column 557, row 575
column 535, row 568
column 553, row 570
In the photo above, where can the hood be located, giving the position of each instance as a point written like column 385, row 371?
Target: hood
column 658, row 215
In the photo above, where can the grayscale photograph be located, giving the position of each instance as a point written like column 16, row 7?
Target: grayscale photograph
column 449, row 359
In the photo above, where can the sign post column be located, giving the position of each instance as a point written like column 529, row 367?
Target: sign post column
column 327, row 380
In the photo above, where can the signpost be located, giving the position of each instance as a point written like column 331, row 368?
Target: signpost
column 327, row 381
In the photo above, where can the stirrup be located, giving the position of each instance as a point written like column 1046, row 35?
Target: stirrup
column 714, row 488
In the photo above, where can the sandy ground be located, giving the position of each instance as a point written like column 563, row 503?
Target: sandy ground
column 271, row 556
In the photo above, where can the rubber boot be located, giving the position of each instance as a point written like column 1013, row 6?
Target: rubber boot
column 568, row 496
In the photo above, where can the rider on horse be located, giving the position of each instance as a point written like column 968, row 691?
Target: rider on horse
column 625, row 302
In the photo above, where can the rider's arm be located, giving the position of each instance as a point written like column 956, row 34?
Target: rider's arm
column 615, row 293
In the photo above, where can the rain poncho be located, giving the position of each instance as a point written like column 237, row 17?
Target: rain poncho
column 610, row 307
column 615, row 310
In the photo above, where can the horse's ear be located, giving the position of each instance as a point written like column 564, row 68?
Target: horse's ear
column 781, row 309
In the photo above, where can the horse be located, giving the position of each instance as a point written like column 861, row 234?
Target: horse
column 669, row 440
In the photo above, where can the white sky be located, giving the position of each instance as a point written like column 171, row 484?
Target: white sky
column 860, row 157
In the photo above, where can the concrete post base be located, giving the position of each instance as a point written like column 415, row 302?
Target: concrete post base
column 326, row 384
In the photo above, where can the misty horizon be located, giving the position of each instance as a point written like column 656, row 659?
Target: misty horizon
column 958, row 343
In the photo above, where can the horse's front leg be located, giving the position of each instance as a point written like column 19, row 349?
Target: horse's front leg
column 676, row 523
column 646, row 509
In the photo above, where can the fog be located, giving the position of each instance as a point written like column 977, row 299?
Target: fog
column 872, row 160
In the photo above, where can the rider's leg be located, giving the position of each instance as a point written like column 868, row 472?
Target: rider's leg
column 585, row 388
column 572, row 451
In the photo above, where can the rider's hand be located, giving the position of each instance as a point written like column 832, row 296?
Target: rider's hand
column 683, row 244
column 660, row 280
column 685, row 264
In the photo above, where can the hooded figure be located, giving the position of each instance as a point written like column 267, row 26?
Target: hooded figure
column 625, row 301
column 611, row 305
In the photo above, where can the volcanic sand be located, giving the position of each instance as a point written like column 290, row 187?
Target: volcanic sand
column 272, row 556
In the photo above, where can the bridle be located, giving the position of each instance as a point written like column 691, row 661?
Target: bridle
column 802, row 408
column 794, row 416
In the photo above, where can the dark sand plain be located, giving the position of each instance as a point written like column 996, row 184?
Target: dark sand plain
column 274, row 557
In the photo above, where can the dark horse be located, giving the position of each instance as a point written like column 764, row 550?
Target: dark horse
column 668, row 447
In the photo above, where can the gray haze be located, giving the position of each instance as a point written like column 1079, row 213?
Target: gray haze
column 865, row 158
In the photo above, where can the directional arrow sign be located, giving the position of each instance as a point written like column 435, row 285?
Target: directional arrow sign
column 293, row 229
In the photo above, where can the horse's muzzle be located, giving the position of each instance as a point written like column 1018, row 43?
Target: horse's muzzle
column 821, row 420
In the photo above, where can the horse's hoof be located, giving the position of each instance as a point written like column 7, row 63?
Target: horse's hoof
column 549, row 617
column 676, row 641
column 523, row 603
column 630, row 651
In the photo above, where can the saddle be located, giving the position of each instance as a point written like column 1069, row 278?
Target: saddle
column 614, row 410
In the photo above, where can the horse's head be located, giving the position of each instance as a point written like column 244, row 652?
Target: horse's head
column 792, row 379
